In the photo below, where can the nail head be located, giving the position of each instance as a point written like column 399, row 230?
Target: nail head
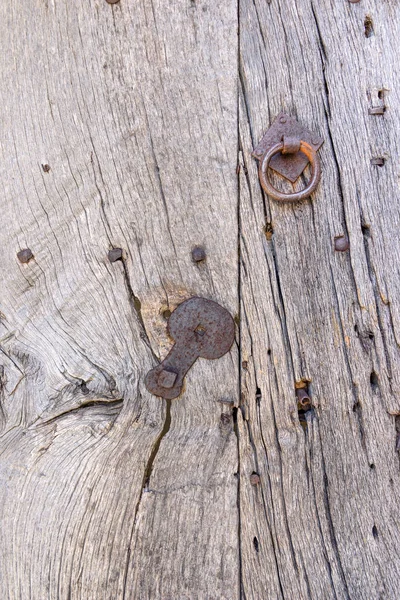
column 342, row 243
column 25, row 255
column 115, row 254
column 167, row 379
column 198, row 254
column 376, row 110
column 46, row 168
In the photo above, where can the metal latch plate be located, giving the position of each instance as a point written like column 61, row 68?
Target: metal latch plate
column 290, row 166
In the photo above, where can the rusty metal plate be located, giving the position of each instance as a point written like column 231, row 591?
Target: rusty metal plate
column 290, row 166
column 201, row 328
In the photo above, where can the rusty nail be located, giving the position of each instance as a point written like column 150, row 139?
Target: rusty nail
column 342, row 243
column 254, row 479
column 302, row 397
column 46, row 168
column 167, row 379
column 112, row 1
column 376, row 110
column 198, row 254
column 245, row 364
column 378, row 161
column 25, row 255
column 115, row 254
column 283, row 120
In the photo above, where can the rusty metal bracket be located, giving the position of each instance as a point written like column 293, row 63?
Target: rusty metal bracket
column 200, row 328
column 287, row 148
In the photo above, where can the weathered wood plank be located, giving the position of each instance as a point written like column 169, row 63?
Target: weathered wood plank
column 323, row 522
column 106, row 491
column 134, row 108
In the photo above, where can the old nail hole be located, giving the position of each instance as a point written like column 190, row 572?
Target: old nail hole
column 375, row 531
column 46, row 168
column 366, row 230
column 397, row 428
column 368, row 26
column 84, row 388
column 258, row 395
column 245, row 365
column 269, row 231
column 372, row 466
column 374, row 381
column 234, row 414
column 225, row 419
column 166, row 314
column 269, row 351
column 255, row 544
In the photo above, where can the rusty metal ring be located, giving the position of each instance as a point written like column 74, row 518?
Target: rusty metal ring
column 294, row 196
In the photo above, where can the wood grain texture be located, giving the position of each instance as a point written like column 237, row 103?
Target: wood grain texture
column 135, row 113
column 131, row 126
column 323, row 522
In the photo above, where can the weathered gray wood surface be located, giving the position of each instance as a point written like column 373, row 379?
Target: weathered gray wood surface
column 143, row 111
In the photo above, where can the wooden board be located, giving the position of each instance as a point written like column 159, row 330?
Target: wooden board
column 323, row 522
column 146, row 115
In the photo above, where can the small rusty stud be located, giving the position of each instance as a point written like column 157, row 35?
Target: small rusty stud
column 46, row 168
column 167, row 379
column 115, row 254
column 254, row 479
column 198, row 254
column 376, row 110
column 379, row 161
column 25, row 255
column 342, row 243
column 303, row 398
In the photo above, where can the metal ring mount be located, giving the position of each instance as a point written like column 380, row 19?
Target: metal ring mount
column 310, row 153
